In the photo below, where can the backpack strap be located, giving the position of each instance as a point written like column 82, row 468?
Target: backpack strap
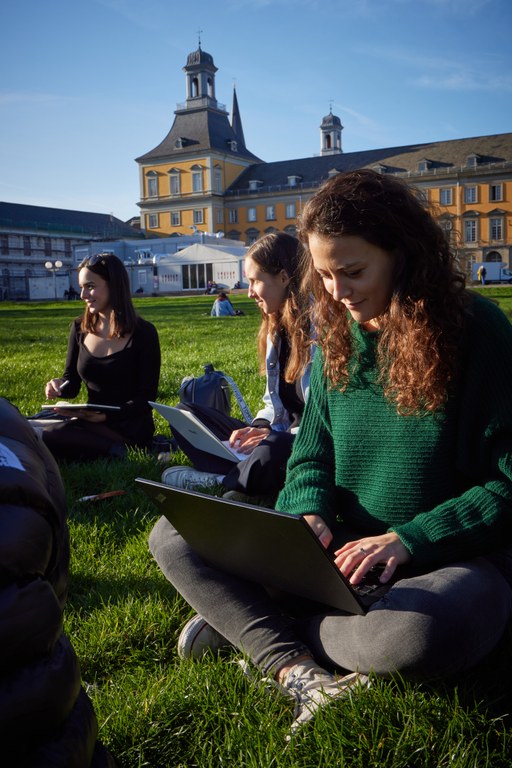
column 246, row 413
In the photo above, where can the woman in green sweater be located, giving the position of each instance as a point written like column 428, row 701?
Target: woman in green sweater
column 407, row 439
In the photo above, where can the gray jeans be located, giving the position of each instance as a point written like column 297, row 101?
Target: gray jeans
column 425, row 628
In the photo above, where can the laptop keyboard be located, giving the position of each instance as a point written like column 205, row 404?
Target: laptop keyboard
column 370, row 587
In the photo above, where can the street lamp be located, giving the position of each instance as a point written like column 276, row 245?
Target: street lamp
column 54, row 268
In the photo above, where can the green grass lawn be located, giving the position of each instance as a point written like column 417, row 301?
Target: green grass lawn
column 123, row 617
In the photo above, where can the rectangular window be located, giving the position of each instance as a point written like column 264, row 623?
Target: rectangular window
column 27, row 246
column 47, row 247
column 233, row 216
column 153, row 220
column 495, row 192
column 496, row 229
column 219, row 216
column 470, row 195
column 5, row 244
column 445, row 197
column 175, row 184
column 152, row 187
column 270, row 213
column 197, row 181
column 470, row 231
column 175, row 218
column 217, row 181
column 251, row 214
column 290, row 210
column 198, row 216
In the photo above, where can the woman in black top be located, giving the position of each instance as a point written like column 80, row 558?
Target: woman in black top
column 116, row 354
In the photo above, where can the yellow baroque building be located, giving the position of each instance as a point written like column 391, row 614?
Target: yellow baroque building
column 202, row 177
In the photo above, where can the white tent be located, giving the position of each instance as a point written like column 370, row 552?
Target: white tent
column 194, row 267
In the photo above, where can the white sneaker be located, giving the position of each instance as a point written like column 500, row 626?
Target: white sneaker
column 190, row 479
column 313, row 687
column 197, row 639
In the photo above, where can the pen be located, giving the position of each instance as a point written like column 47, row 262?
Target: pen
column 64, row 384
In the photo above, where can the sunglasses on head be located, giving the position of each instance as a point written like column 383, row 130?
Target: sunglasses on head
column 99, row 259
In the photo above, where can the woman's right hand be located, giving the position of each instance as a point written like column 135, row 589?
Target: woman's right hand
column 52, row 388
column 246, row 439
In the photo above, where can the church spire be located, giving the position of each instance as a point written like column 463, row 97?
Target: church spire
column 236, row 121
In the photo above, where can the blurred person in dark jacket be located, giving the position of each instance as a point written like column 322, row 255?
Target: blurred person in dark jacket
column 46, row 717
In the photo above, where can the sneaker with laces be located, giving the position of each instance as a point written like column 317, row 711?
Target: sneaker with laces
column 197, row 639
column 190, row 479
column 313, row 687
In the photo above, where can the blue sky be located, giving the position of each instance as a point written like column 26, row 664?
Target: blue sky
column 88, row 85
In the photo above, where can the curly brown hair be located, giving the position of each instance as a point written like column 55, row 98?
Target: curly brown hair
column 422, row 326
column 272, row 253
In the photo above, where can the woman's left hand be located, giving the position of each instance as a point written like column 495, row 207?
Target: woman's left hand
column 363, row 554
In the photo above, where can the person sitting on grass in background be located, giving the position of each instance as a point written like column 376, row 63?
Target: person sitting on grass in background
column 272, row 269
column 222, row 307
column 406, row 439
column 46, row 717
column 117, row 355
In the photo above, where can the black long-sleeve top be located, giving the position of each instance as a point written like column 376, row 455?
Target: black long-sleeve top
column 128, row 378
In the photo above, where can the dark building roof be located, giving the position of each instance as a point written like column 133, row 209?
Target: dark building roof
column 61, row 221
column 444, row 156
column 199, row 130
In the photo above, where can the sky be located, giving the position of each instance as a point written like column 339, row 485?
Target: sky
column 86, row 86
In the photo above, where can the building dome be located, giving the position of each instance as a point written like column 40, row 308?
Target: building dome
column 200, row 58
column 331, row 121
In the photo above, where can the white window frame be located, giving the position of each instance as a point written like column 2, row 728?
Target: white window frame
column 495, row 192
column 152, row 182
column 198, row 215
column 252, row 214
column 496, row 228
column 270, row 213
column 174, row 184
column 470, row 230
column 233, row 215
column 290, row 211
column 197, row 181
column 153, row 222
column 175, row 218
column 446, row 196
column 471, row 194
column 217, row 180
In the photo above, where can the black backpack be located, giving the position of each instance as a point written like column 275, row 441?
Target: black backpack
column 213, row 389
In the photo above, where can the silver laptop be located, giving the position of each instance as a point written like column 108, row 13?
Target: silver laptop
column 193, row 430
column 272, row 548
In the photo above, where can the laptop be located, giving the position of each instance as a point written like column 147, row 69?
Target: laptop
column 272, row 548
column 193, row 430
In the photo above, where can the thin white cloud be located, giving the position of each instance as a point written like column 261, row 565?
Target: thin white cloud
column 464, row 81
column 443, row 73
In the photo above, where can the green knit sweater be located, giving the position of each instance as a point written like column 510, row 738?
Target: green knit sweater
column 442, row 482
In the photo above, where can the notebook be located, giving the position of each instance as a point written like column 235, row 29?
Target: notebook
column 63, row 405
column 193, row 430
column 272, row 548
